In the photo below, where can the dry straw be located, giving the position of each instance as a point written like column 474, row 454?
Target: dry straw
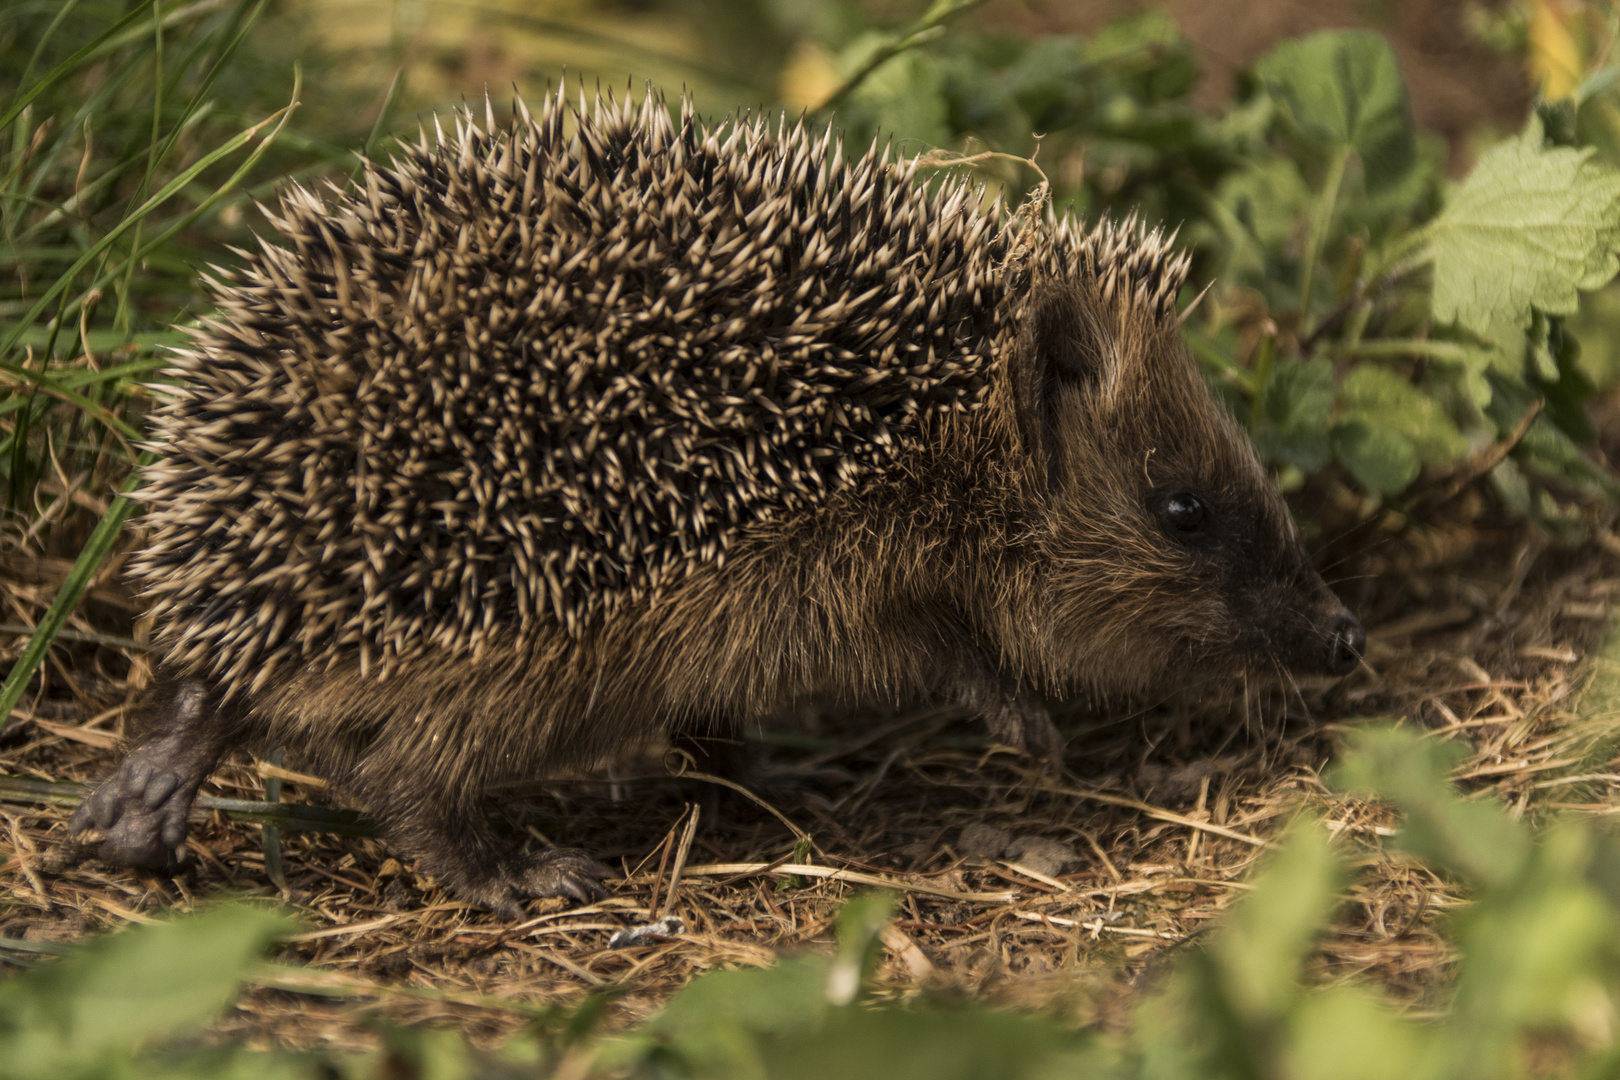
column 1162, row 813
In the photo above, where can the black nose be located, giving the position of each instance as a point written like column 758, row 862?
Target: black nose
column 1349, row 641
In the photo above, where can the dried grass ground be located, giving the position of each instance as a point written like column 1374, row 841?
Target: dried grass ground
column 1480, row 630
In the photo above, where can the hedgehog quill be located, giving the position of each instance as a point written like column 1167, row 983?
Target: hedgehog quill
column 543, row 439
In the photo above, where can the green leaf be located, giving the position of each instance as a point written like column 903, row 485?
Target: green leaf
column 1347, row 1033
column 903, row 97
column 130, row 989
column 716, row 1025
column 1537, row 950
column 1268, row 196
column 1344, row 88
column 1147, row 54
column 1132, row 34
column 1381, row 398
column 859, row 923
column 1382, row 460
column 1528, row 229
column 927, row 1044
column 1475, row 839
column 1296, row 406
column 787, row 996
column 1261, row 951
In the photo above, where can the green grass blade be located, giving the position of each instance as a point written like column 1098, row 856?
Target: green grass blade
column 167, row 192
column 68, row 66
column 93, row 554
column 45, row 39
column 44, row 382
column 229, row 185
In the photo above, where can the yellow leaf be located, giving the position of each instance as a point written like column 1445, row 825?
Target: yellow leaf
column 1555, row 61
column 809, row 78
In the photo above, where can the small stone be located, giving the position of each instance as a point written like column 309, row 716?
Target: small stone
column 1043, row 856
column 397, row 895
column 985, row 841
column 913, row 855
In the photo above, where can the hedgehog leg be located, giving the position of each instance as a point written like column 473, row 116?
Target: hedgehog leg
column 455, row 844
column 1015, row 717
column 140, row 811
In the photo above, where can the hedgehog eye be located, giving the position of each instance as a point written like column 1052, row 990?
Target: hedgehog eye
column 1185, row 512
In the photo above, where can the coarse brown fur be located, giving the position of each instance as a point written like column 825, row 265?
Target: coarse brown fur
column 1029, row 542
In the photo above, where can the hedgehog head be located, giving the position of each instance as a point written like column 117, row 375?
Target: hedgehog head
column 1168, row 550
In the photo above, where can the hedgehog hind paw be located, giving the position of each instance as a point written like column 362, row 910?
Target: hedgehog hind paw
column 138, row 814
column 565, row 872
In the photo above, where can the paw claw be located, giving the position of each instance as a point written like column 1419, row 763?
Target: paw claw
column 564, row 872
column 174, row 832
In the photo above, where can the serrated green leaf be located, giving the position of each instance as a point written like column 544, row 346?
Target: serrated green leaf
column 1529, row 228
column 1344, row 88
column 1383, row 460
column 1381, row 398
column 1297, row 404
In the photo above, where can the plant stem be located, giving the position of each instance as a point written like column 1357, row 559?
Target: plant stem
column 1445, row 351
column 1321, row 220
column 924, row 30
column 1265, row 353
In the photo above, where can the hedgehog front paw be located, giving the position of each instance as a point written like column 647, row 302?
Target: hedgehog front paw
column 1024, row 723
column 140, row 813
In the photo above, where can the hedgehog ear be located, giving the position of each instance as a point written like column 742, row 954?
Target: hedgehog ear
column 1069, row 344
column 1063, row 343
column 1063, row 346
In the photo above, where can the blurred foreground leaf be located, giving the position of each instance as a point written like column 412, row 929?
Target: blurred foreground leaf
column 129, row 991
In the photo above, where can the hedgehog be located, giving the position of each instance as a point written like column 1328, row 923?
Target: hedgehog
column 549, row 437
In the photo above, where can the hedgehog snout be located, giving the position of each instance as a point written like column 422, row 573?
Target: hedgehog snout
column 1316, row 637
column 1346, row 644
column 1332, row 646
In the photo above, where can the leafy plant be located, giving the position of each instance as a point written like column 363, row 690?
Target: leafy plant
column 1371, row 322
column 1367, row 316
column 116, row 1008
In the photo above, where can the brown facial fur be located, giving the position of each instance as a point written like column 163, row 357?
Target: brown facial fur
column 1004, row 540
